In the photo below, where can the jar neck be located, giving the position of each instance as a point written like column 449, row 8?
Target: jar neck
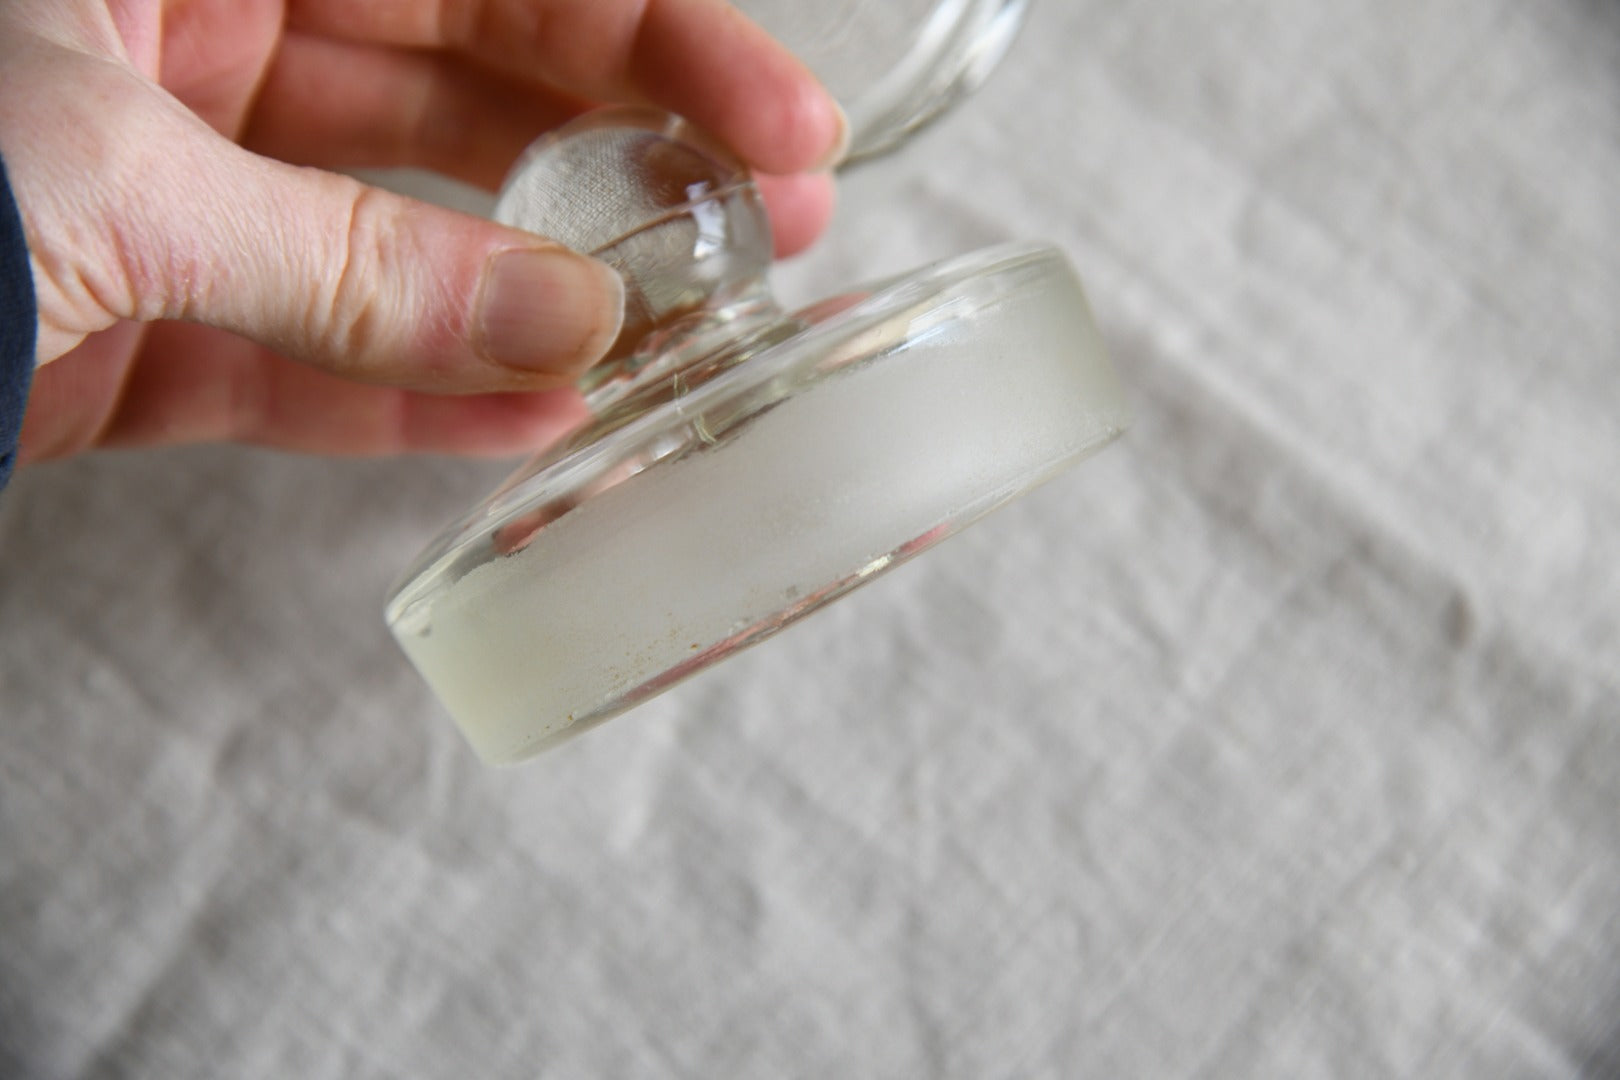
column 691, row 345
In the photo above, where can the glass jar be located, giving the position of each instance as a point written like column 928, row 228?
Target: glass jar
column 895, row 64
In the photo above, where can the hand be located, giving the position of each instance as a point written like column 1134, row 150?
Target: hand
column 197, row 281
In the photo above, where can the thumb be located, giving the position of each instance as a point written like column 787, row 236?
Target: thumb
column 378, row 287
column 317, row 266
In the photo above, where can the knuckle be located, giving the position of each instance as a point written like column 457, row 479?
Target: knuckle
column 348, row 315
column 387, row 312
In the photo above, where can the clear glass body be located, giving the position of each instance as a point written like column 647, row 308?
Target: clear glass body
column 894, row 64
column 744, row 465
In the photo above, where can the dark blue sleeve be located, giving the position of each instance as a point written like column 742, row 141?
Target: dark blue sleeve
column 18, row 324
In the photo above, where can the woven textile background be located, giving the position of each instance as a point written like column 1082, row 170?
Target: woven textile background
column 1283, row 739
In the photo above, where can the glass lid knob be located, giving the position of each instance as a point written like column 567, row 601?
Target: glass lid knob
column 672, row 210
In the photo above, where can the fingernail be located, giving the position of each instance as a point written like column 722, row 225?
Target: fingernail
column 548, row 310
column 835, row 156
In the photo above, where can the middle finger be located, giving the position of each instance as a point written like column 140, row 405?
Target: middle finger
column 342, row 105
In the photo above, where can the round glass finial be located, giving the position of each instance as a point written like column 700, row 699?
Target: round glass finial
column 745, row 466
column 669, row 208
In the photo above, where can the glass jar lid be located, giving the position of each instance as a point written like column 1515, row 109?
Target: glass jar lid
column 745, row 464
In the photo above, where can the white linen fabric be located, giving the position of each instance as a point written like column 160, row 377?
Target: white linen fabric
column 1283, row 739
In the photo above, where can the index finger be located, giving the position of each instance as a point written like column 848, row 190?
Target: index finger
column 702, row 59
